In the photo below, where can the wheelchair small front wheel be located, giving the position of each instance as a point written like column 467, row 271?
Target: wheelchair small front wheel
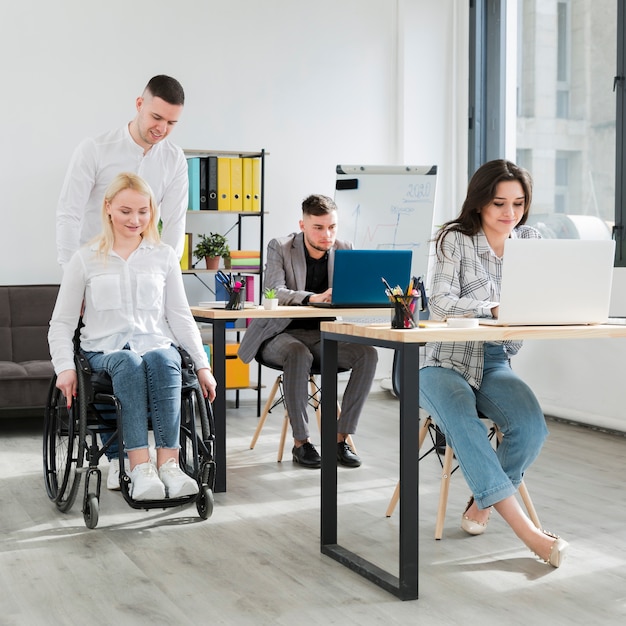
column 91, row 512
column 205, row 502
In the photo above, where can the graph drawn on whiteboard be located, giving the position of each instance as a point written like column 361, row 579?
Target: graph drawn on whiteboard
column 388, row 207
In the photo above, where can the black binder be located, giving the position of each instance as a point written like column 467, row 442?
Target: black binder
column 211, row 183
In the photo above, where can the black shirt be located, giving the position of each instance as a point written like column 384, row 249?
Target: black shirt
column 316, row 282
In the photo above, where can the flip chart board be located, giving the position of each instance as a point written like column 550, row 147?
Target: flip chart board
column 389, row 207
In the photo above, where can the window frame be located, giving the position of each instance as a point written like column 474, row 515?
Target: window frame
column 620, row 137
column 487, row 81
column 487, row 52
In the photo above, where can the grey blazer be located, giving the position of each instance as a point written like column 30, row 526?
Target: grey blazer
column 285, row 271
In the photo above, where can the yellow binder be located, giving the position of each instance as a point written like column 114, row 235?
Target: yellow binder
column 236, row 184
column 247, row 184
column 223, row 184
column 185, row 260
column 256, row 184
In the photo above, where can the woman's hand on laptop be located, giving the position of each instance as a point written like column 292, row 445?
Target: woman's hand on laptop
column 494, row 312
column 325, row 296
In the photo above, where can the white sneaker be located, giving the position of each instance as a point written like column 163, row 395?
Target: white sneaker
column 145, row 483
column 177, row 483
column 113, row 478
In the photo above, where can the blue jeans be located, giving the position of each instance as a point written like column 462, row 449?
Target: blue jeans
column 505, row 399
column 148, row 385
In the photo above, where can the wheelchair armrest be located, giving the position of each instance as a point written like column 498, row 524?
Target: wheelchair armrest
column 81, row 362
column 188, row 369
column 99, row 382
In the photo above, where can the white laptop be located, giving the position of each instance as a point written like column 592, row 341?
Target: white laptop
column 555, row 281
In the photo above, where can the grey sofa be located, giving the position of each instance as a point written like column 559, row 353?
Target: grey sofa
column 25, row 367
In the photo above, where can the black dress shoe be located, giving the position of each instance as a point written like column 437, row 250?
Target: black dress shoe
column 346, row 456
column 307, row 456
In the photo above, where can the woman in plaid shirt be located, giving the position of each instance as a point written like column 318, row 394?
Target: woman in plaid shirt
column 459, row 380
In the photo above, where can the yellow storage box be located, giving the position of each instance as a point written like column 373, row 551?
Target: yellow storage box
column 237, row 372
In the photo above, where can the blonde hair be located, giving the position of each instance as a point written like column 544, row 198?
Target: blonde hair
column 126, row 180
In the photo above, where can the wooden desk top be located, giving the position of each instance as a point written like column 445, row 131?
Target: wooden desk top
column 285, row 311
column 438, row 331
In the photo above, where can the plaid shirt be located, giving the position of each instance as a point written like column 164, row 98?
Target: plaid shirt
column 466, row 281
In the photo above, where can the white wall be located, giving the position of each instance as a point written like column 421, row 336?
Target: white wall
column 315, row 84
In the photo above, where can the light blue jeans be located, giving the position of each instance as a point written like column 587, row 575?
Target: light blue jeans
column 148, row 385
column 505, row 399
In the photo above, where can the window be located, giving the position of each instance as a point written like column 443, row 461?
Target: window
column 565, row 124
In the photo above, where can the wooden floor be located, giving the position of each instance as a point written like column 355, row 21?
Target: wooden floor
column 257, row 560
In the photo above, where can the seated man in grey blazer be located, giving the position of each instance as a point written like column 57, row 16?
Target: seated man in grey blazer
column 300, row 268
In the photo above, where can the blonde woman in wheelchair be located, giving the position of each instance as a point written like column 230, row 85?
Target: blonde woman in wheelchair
column 134, row 312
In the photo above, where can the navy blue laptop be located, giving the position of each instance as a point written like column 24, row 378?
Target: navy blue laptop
column 357, row 277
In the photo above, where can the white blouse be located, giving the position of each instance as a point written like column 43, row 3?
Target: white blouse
column 140, row 301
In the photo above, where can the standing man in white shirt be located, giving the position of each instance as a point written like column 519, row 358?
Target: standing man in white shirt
column 142, row 147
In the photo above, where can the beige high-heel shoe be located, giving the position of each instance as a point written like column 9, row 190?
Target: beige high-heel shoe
column 558, row 550
column 471, row 526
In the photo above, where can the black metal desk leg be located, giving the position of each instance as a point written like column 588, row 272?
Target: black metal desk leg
column 409, row 501
column 404, row 586
column 219, row 404
column 329, row 443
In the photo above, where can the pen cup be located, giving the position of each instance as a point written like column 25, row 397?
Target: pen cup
column 404, row 312
column 237, row 299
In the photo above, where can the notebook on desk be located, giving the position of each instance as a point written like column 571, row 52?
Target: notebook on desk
column 555, row 281
column 357, row 277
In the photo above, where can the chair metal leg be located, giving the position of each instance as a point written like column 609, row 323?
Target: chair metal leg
column 316, row 401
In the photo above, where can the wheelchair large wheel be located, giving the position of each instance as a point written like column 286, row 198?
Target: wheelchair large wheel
column 63, row 447
column 196, row 458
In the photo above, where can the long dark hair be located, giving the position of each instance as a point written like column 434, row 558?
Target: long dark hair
column 481, row 191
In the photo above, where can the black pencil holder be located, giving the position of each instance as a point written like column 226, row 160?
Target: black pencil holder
column 404, row 311
column 237, row 299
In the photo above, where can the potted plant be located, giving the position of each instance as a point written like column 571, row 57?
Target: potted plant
column 270, row 301
column 211, row 248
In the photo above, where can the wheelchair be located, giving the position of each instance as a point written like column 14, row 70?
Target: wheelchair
column 71, row 450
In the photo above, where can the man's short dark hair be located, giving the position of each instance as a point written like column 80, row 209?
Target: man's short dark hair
column 317, row 204
column 166, row 88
